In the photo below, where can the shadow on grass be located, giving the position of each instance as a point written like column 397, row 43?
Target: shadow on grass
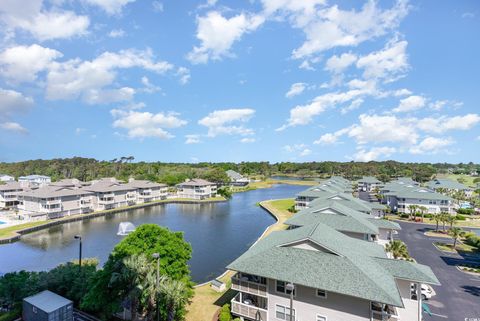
column 225, row 298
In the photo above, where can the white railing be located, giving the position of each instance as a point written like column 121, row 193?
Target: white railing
column 249, row 311
column 249, row 287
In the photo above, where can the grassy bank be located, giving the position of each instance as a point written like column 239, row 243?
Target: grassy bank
column 207, row 301
column 270, row 182
column 12, row 231
column 454, row 177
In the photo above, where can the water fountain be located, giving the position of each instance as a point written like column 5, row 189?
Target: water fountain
column 125, row 228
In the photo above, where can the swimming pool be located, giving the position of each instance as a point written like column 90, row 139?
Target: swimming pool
column 2, row 222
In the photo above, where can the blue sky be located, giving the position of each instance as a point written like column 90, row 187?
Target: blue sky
column 276, row 80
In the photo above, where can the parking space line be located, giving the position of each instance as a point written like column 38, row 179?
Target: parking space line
column 439, row 315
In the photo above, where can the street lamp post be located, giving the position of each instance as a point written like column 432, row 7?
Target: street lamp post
column 157, row 257
column 290, row 287
column 79, row 237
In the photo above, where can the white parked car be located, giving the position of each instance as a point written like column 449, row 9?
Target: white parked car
column 426, row 291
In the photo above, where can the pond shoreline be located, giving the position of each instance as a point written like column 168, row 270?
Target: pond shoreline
column 81, row 217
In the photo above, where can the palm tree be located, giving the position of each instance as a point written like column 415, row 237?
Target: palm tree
column 451, row 219
column 455, row 233
column 174, row 292
column 423, row 210
column 411, row 210
column 398, row 249
column 444, row 218
column 437, row 219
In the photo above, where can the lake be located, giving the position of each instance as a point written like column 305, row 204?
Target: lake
column 218, row 233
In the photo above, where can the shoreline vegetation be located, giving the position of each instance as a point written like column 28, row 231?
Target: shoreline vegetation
column 206, row 301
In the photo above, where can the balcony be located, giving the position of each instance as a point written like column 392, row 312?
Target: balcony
column 381, row 312
column 130, row 196
column 249, row 306
column 107, row 195
column 106, row 201
column 249, row 284
column 51, row 202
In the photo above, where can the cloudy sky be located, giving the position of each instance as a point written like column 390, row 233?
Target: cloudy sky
column 277, row 80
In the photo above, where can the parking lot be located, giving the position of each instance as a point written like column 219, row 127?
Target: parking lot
column 458, row 298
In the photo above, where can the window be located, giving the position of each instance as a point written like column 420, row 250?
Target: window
column 282, row 287
column 283, row 313
column 34, row 309
column 321, row 293
column 321, row 318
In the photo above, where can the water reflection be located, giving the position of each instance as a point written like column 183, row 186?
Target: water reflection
column 218, row 233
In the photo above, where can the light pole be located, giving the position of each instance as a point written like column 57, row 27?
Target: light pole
column 290, row 287
column 79, row 237
column 157, row 257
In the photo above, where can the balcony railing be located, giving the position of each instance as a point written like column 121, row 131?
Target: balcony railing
column 106, row 200
column 377, row 314
column 248, row 310
column 244, row 285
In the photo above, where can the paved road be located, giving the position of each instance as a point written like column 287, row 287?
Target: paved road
column 458, row 298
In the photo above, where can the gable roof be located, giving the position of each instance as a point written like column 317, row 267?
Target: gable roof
column 446, row 183
column 356, row 269
column 369, row 180
column 196, row 182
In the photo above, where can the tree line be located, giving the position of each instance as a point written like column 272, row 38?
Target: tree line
column 86, row 169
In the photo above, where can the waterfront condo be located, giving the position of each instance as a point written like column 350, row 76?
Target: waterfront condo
column 198, row 189
column 334, row 277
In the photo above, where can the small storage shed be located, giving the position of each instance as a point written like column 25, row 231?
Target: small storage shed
column 47, row 306
column 217, row 285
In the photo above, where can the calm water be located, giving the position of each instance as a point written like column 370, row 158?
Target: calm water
column 293, row 178
column 219, row 233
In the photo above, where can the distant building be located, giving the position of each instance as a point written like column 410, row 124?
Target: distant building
column 237, row 178
column 444, row 184
column 6, row 178
column 197, row 189
column 368, row 184
column 9, row 193
column 39, row 180
column 47, row 306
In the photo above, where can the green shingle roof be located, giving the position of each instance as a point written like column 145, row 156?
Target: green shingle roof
column 369, row 180
column 381, row 223
column 345, row 219
column 347, row 266
column 446, row 183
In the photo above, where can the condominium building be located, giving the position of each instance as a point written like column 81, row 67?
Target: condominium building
column 346, row 220
column 368, row 184
column 49, row 202
column 145, row 191
column 109, row 193
column 325, row 188
column 38, row 180
column 399, row 197
column 9, row 193
column 333, row 277
column 372, row 208
column 237, row 178
column 6, row 178
column 446, row 186
column 196, row 189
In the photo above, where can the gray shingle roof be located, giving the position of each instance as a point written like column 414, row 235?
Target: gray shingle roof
column 196, row 182
column 55, row 191
column 347, row 266
column 369, row 180
column 446, row 183
column 48, row 301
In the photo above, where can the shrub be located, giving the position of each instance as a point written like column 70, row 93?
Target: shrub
column 225, row 314
column 403, row 215
column 11, row 315
column 472, row 240
column 460, row 217
column 466, row 211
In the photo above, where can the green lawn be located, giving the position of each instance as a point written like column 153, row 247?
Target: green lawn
column 460, row 247
column 12, row 230
column 283, row 205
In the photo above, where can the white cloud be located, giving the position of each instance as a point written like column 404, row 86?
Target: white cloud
column 337, row 64
column 363, row 155
column 22, row 63
column 378, row 129
column 13, row 127
column 157, row 6
column 41, row 24
column 305, row 152
column 145, row 124
column 402, row 92
column 446, row 123
column 354, row 105
column 331, row 138
column 116, row 33
column 87, row 79
column 192, row 139
column 149, row 87
column 228, row 121
column 332, row 27
column 217, row 34
column 296, row 89
column 184, row 74
column 389, row 63
column 468, row 15
column 431, row 145
column 410, row 103
column 111, row 7
column 79, row 130
column 247, row 140
column 208, row 4
column 13, row 102
column 304, row 114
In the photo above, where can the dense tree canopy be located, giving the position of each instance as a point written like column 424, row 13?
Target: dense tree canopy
column 173, row 173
